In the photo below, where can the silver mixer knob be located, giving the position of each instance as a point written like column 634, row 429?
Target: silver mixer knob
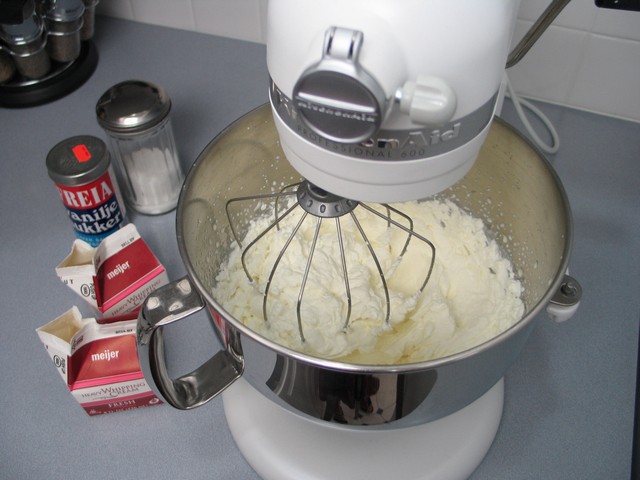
column 337, row 98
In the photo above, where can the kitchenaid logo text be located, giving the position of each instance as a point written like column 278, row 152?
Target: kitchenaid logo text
column 336, row 112
column 419, row 138
column 387, row 144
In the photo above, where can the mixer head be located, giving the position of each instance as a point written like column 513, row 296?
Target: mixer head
column 306, row 207
column 382, row 102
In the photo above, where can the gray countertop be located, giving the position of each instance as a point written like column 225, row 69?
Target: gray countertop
column 569, row 398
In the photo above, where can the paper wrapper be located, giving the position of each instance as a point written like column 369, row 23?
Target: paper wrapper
column 115, row 277
column 98, row 361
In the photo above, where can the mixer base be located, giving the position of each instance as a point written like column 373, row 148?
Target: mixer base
column 282, row 446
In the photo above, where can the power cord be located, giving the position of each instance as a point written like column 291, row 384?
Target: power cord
column 518, row 104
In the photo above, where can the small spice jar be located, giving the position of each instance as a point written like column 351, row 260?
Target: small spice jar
column 81, row 169
column 64, row 20
column 26, row 43
column 135, row 116
column 7, row 67
column 88, row 19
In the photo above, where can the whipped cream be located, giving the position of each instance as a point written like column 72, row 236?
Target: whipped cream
column 472, row 294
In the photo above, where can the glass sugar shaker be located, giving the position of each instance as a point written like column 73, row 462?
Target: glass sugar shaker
column 135, row 116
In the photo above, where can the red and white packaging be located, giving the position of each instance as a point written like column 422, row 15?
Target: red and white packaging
column 98, row 361
column 115, row 277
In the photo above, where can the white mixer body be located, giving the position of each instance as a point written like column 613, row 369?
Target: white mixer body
column 386, row 101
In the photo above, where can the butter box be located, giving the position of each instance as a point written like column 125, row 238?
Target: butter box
column 98, row 361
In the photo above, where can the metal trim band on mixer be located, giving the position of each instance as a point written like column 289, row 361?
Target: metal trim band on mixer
column 388, row 144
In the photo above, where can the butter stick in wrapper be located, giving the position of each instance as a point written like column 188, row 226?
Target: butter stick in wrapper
column 98, row 361
column 115, row 277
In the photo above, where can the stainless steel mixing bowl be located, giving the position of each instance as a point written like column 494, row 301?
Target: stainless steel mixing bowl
column 511, row 187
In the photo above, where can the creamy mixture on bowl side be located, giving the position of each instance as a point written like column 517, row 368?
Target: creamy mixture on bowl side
column 471, row 297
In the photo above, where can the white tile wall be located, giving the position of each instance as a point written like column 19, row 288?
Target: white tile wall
column 241, row 19
column 588, row 59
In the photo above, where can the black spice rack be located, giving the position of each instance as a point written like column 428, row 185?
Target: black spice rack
column 63, row 79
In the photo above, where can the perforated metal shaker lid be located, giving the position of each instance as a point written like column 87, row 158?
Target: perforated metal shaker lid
column 132, row 107
column 78, row 160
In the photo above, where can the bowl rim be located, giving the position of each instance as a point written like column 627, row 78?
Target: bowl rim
column 374, row 368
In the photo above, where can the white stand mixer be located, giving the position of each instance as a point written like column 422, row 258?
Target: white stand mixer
column 378, row 101
column 373, row 101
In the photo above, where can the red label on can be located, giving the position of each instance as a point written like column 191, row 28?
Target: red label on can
column 94, row 208
column 90, row 195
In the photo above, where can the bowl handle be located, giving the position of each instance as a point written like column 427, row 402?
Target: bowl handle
column 566, row 300
column 165, row 305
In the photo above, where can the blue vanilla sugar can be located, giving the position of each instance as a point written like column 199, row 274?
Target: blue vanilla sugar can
column 81, row 169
